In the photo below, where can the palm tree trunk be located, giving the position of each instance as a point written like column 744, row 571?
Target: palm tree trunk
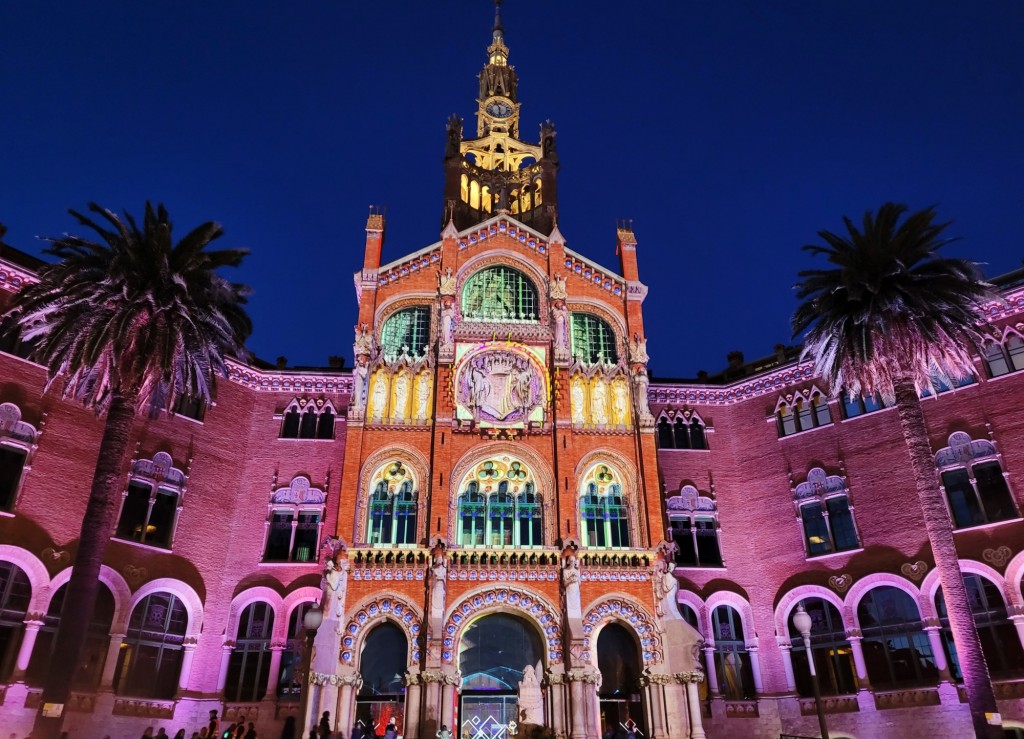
column 980, row 696
column 83, row 587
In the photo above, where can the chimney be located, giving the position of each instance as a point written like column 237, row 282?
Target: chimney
column 374, row 238
column 735, row 359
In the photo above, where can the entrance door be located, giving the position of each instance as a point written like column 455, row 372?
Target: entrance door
column 620, row 717
column 486, row 716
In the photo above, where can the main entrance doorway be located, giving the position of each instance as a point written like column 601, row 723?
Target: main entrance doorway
column 382, row 664
column 622, row 711
column 494, row 652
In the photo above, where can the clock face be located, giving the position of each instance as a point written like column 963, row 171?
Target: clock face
column 498, row 109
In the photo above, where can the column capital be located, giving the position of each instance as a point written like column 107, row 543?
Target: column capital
column 588, row 676
column 694, row 676
column 655, row 678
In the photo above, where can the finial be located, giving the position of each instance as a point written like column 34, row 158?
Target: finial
column 499, row 31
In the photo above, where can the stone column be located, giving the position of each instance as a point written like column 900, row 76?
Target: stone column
column 755, row 667
column 1017, row 616
column 350, row 685
column 577, row 705
column 654, row 687
column 110, row 665
column 786, row 648
column 275, row 670
column 188, row 654
column 28, row 642
column 432, row 700
column 225, row 660
column 934, row 631
column 691, row 680
column 593, row 709
column 449, row 691
column 412, row 706
column 713, row 688
column 861, row 667
column 556, row 702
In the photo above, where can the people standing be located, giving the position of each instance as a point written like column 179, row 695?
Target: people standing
column 324, row 728
column 444, row 733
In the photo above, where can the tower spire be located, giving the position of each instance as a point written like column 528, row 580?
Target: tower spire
column 498, row 30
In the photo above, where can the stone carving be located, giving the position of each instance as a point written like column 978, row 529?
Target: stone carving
column 997, row 557
column 665, row 584
column 134, row 575
column 840, row 583
column 578, row 398
column 500, row 386
column 696, row 676
column 438, row 580
column 320, row 678
column 401, row 396
column 589, row 677
column 599, row 402
column 638, row 350
column 554, row 678
column 914, row 570
column 531, row 701
column 447, row 325
column 56, row 556
column 360, row 377
column 422, row 395
column 364, row 341
column 380, row 394
column 656, row 678
column 620, row 403
column 333, row 584
column 640, row 385
column 446, row 282
column 558, row 288
column 560, row 320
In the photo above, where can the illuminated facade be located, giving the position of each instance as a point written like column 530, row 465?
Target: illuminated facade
column 506, row 520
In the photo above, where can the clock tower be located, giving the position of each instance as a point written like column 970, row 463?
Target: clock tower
column 496, row 172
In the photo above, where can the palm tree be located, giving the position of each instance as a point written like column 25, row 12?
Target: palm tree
column 893, row 317
column 126, row 321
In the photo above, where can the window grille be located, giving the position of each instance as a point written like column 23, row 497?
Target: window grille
column 408, row 329
column 593, row 340
column 499, row 294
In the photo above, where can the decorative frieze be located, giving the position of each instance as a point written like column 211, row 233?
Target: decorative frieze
column 143, row 708
column 741, row 709
column 830, row 704
column 907, row 698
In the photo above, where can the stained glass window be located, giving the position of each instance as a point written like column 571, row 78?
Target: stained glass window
column 593, row 340
column 507, row 512
column 499, row 294
column 408, row 329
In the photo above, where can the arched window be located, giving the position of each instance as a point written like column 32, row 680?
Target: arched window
column 681, row 431
column 858, row 405
column 408, row 331
column 295, row 518
column 823, row 505
column 732, row 660
column 394, row 505
column 975, row 484
column 803, row 414
column 499, row 507
column 249, row 666
column 999, row 641
column 16, row 440
column 896, row 648
column 97, row 641
column 289, row 686
column 149, row 663
column 665, row 438
column 604, row 510
column 618, row 660
column 593, row 340
column 690, row 616
column 833, row 657
column 686, row 432
column 15, row 592
column 149, row 511
column 308, row 419
column 693, row 522
column 499, row 294
column 1005, row 358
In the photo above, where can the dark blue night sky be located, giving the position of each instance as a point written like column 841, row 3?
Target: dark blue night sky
column 729, row 131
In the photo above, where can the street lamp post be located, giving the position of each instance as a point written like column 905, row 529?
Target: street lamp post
column 802, row 622
column 311, row 622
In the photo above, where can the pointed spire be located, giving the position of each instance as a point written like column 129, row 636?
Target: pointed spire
column 499, row 30
column 497, row 51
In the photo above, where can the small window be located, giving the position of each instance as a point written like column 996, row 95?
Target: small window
column 295, row 521
column 859, row 405
column 697, row 541
column 593, row 340
column 975, row 485
column 12, row 465
column 308, row 420
column 686, row 432
column 804, row 414
column 825, row 514
column 604, row 510
column 190, row 406
column 148, row 514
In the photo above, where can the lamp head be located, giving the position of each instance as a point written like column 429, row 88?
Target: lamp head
column 802, row 620
column 313, row 618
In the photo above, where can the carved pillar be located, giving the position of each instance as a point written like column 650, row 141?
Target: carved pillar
column 275, row 670
column 28, row 642
column 188, row 654
column 110, row 665
column 654, row 689
column 691, row 680
column 934, row 631
column 855, row 638
column 350, row 685
column 584, row 703
column 1018, row 622
column 576, row 708
column 786, row 647
column 713, row 686
column 556, row 702
column 593, row 710
column 412, row 706
column 225, row 661
column 755, row 667
column 449, row 691
column 432, row 701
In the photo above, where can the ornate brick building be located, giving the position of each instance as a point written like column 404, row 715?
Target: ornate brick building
column 506, row 520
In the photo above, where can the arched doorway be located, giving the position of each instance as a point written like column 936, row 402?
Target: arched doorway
column 382, row 665
column 621, row 704
column 494, row 654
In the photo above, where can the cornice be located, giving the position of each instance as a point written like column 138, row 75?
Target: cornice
column 13, row 277
column 288, row 382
